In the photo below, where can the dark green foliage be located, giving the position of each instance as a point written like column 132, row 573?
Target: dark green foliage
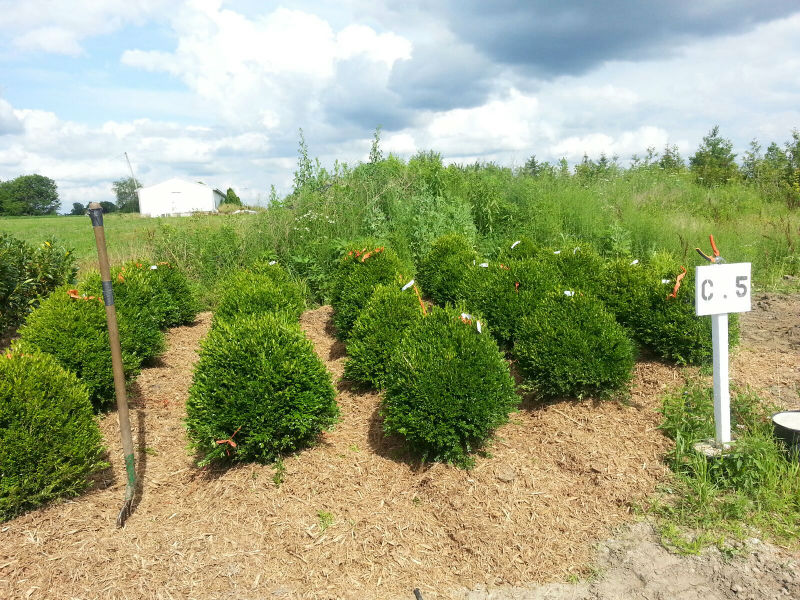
column 448, row 388
column 27, row 274
column 444, row 271
column 377, row 333
column 358, row 275
column 714, row 162
column 572, row 346
column 260, row 384
column 579, row 266
column 29, row 195
column 246, row 293
column 505, row 292
column 523, row 248
column 670, row 328
column 232, row 198
column 125, row 191
column 157, row 293
column 49, row 440
column 74, row 332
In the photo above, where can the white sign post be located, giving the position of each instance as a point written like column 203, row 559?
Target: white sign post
column 721, row 289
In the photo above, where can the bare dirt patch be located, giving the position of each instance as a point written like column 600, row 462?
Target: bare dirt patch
column 355, row 517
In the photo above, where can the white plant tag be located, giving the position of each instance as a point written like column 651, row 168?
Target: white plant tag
column 272, row 262
column 636, row 262
column 479, row 327
column 466, row 316
column 484, row 265
column 666, row 281
column 557, row 252
column 514, row 245
column 569, row 293
column 153, row 267
column 408, row 285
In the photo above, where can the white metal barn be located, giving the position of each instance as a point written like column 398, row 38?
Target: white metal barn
column 178, row 197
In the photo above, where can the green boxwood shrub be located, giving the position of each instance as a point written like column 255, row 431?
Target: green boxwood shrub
column 258, row 383
column 448, row 388
column 377, row 333
column 505, row 292
column 524, row 248
column 162, row 294
column 572, row 346
column 670, row 328
column 357, row 278
column 443, row 273
column 639, row 297
column 74, row 331
column 49, row 440
column 247, row 293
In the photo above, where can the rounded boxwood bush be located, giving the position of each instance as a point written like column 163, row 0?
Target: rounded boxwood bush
column 259, row 384
column 49, row 440
column 522, row 248
column 670, row 328
column 448, row 388
column 273, row 270
column 72, row 328
column 444, row 272
column 357, row 278
column 572, row 346
column 159, row 292
column 247, row 293
column 377, row 333
column 505, row 292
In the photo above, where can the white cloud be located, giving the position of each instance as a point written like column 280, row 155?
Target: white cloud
column 267, row 71
column 59, row 27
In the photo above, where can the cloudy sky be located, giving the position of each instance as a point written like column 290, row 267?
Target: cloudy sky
column 217, row 90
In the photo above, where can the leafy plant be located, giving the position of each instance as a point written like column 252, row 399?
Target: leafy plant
column 247, row 293
column 572, row 346
column 755, row 484
column 448, row 388
column 444, row 271
column 49, row 440
column 377, row 333
column 72, row 328
column 28, row 274
column 506, row 292
column 360, row 272
column 259, row 391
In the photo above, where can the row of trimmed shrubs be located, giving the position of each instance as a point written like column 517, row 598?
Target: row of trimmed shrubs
column 569, row 317
column 259, row 390
column 58, row 373
column 446, row 384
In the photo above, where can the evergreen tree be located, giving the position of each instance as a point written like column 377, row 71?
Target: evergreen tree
column 714, row 162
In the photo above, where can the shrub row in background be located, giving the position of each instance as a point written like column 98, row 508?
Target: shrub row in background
column 28, row 274
column 72, row 328
column 71, row 324
column 49, row 439
column 259, row 390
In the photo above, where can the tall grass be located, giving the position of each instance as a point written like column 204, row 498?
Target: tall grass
column 634, row 212
column 755, row 488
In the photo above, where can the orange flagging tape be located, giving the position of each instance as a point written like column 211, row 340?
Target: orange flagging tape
column 421, row 303
column 678, row 279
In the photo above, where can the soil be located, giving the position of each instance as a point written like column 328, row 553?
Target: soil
column 356, row 517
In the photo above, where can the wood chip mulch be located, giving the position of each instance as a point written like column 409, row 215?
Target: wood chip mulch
column 355, row 517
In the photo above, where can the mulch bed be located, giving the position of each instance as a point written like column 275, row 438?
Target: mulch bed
column 555, row 480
